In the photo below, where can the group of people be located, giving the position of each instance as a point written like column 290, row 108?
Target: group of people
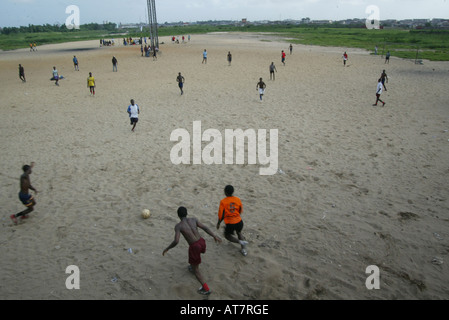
column 134, row 110
column 387, row 57
column 229, row 212
column 33, row 47
column 230, row 207
column 147, row 51
column 261, row 86
column 380, row 82
column 107, row 43
column 176, row 39
column 90, row 80
column 128, row 41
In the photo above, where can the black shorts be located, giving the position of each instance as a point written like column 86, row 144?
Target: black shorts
column 134, row 120
column 231, row 228
column 26, row 199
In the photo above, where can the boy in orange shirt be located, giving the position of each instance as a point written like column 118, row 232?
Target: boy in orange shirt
column 230, row 210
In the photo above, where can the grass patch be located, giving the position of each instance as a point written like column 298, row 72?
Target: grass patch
column 23, row 40
column 432, row 44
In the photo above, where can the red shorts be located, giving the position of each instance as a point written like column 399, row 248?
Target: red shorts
column 195, row 251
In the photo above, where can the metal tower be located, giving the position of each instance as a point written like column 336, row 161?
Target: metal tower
column 153, row 24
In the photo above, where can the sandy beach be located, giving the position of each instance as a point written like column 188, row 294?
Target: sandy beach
column 358, row 185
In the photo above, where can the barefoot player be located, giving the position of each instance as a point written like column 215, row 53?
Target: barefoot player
column 91, row 84
column 188, row 227
column 24, row 195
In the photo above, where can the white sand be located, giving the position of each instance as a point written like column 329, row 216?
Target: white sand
column 361, row 185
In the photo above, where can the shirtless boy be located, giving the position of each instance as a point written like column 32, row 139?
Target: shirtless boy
column 25, row 197
column 188, row 227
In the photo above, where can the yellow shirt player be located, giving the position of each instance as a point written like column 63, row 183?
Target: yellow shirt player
column 91, row 83
column 229, row 211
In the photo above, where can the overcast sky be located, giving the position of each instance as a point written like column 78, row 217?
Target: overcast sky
column 24, row 12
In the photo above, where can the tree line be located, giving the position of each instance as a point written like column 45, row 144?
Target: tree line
column 31, row 28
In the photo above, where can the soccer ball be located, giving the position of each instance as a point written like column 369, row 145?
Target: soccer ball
column 146, row 213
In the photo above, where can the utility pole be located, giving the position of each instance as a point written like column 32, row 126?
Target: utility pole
column 151, row 4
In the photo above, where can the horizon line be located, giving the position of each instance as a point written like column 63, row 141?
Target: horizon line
column 229, row 20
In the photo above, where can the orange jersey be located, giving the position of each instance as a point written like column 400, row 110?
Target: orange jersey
column 231, row 208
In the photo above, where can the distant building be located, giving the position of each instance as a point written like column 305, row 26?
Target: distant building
column 320, row 22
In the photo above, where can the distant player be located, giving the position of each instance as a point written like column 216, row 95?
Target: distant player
column 25, row 197
column 384, row 78
column 180, row 79
column 229, row 58
column 91, row 84
column 114, row 64
column 188, row 227
column 272, row 71
column 291, row 49
column 22, row 73
column 345, row 58
column 387, row 57
column 283, row 56
column 55, row 76
column 76, row 63
column 261, row 86
column 133, row 111
column 204, row 56
column 378, row 93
